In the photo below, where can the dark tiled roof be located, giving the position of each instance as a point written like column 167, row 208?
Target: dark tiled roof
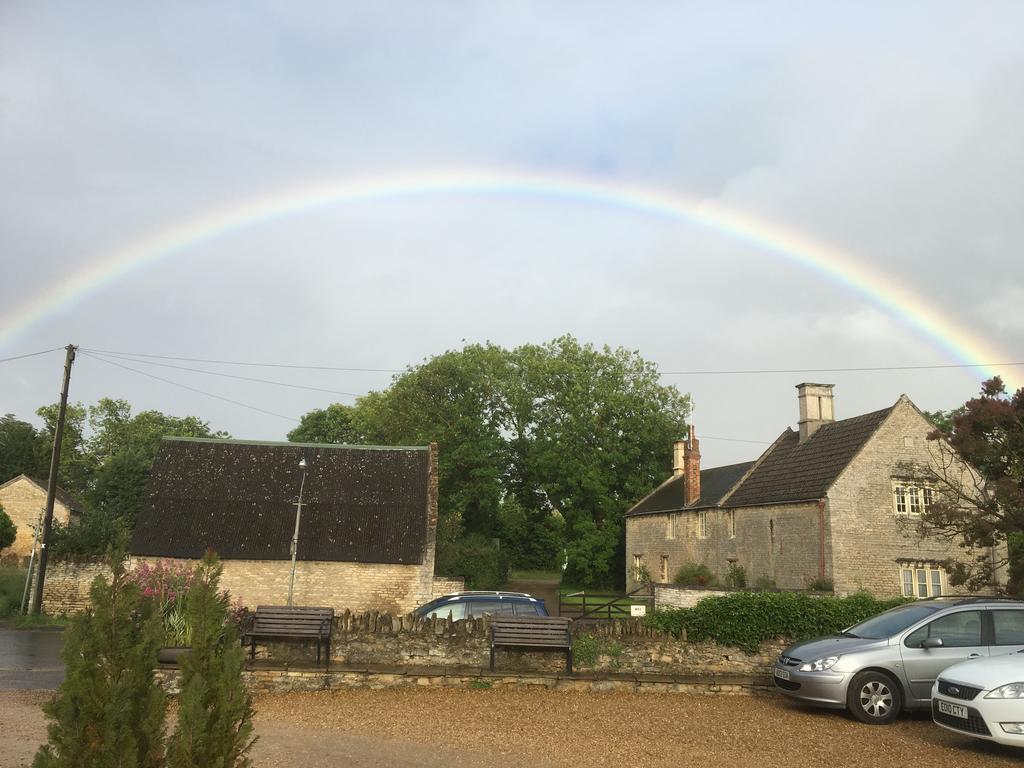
column 359, row 504
column 792, row 471
column 714, row 484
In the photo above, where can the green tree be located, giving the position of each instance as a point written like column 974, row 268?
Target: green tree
column 8, row 531
column 214, row 709
column 114, row 430
column 109, row 711
column 22, row 450
column 333, row 424
column 980, row 511
column 77, row 464
column 574, row 433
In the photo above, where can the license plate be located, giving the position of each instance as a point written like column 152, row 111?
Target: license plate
column 783, row 674
column 955, row 710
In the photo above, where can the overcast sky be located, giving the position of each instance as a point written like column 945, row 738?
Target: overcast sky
column 890, row 132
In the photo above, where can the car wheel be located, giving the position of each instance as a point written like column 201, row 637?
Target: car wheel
column 874, row 698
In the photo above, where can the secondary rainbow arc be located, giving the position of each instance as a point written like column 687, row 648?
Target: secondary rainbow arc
column 888, row 294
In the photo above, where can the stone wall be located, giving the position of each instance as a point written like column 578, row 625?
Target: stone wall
column 67, row 585
column 445, row 585
column 779, row 542
column 676, row 596
column 373, row 640
column 387, row 587
column 23, row 500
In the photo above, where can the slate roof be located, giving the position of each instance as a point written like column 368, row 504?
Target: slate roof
column 359, row 503
column 714, row 484
column 794, row 471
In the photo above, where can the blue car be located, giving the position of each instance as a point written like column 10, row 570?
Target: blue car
column 473, row 605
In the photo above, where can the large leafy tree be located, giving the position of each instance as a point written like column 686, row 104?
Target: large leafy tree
column 22, row 450
column 982, row 506
column 566, row 435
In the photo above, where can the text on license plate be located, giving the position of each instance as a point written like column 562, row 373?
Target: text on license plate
column 956, row 710
column 783, row 674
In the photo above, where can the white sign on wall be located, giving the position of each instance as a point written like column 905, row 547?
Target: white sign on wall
column 638, row 610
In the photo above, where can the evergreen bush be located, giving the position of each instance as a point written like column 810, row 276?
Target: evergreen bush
column 214, row 709
column 746, row 619
column 8, row 531
column 109, row 711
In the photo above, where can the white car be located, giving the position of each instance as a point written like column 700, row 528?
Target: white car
column 984, row 698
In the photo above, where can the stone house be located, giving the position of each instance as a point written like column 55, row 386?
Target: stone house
column 830, row 502
column 24, row 501
column 366, row 532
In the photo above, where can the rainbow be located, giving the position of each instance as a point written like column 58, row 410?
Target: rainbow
column 878, row 289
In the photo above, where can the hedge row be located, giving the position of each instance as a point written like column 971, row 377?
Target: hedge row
column 746, row 619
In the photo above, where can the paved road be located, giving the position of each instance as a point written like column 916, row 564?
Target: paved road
column 30, row 659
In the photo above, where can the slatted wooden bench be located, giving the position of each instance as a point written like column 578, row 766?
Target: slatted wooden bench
column 541, row 633
column 282, row 621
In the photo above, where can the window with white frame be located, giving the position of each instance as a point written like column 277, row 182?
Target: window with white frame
column 731, row 519
column 638, row 567
column 922, row 580
column 670, row 526
column 664, row 569
column 910, row 499
column 702, row 525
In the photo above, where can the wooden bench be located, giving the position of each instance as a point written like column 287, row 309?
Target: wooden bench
column 281, row 621
column 538, row 632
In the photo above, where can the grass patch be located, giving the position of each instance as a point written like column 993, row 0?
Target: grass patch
column 28, row 622
column 12, row 585
column 535, row 575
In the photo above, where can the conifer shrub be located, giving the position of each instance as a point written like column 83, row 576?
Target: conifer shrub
column 109, row 711
column 214, row 709
column 746, row 619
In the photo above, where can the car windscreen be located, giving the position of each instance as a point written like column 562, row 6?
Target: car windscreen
column 891, row 622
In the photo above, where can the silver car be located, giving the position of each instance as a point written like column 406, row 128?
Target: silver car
column 886, row 664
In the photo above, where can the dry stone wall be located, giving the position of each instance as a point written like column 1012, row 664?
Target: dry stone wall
column 374, row 640
column 67, row 585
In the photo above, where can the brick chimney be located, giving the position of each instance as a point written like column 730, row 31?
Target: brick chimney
column 691, row 467
column 816, row 407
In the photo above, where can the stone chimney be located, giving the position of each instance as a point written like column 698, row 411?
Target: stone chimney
column 815, row 407
column 691, row 467
column 678, row 458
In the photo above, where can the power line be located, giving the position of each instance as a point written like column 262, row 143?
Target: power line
column 253, row 365
column 841, row 370
column 736, row 440
column 725, row 372
column 30, row 354
column 226, row 375
column 191, row 389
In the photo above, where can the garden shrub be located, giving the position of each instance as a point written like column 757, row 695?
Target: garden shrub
column 12, row 587
column 214, row 709
column 747, row 619
column 109, row 711
column 8, row 531
column 695, row 575
column 736, row 576
column 820, row 584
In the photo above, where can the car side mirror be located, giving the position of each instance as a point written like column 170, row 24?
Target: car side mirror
column 932, row 642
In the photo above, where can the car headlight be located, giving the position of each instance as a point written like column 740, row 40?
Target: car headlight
column 819, row 665
column 1008, row 691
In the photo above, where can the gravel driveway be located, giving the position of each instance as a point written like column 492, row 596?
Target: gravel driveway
column 541, row 728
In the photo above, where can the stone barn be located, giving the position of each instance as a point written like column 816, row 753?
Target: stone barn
column 366, row 532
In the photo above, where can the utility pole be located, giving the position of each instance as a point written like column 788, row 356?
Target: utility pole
column 51, row 489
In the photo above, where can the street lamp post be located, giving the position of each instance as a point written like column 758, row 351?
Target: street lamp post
column 295, row 536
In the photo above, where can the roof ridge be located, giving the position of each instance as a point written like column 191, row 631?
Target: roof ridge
column 289, row 444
